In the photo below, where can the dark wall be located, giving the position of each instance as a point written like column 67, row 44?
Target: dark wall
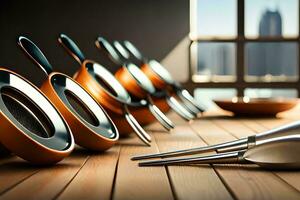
column 154, row 26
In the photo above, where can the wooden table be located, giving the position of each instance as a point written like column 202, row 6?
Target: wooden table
column 113, row 175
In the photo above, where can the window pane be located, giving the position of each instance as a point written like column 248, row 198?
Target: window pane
column 213, row 61
column 270, row 61
column 213, row 18
column 268, row 92
column 205, row 96
column 275, row 18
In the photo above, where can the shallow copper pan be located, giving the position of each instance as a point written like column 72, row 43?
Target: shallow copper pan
column 159, row 76
column 31, row 127
column 136, row 82
column 91, row 126
column 107, row 90
column 256, row 106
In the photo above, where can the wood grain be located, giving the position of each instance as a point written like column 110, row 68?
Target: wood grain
column 14, row 170
column 291, row 177
column 49, row 181
column 133, row 182
column 247, row 181
column 112, row 175
column 190, row 182
column 95, row 179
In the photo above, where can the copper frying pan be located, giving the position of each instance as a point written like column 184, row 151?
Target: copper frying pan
column 103, row 86
column 31, row 127
column 160, row 77
column 91, row 126
column 136, row 82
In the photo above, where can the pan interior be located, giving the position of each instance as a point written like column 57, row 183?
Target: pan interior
column 81, row 108
column 105, row 85
column 141, row 78
column 108, row 82
column 161, row 71
column 27, row 112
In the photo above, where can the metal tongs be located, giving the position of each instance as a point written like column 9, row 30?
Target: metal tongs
column 273, row 153
column 236, row 145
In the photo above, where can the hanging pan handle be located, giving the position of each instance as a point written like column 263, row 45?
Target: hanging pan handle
column 140, row 132
column 103, row 44
column 35, row 54
column 134, row 51
column 71, row 47
column 178, row 108
column 188, row 98
column 122, row 51
column 159, row 115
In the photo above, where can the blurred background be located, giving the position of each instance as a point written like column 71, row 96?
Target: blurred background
column 244, row 47
column 156, row 27
column 217, row 48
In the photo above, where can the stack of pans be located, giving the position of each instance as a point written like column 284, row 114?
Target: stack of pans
column 91, row 109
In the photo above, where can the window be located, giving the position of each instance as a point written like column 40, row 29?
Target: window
column 248, row 45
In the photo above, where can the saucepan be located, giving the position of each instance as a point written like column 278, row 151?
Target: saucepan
column 91, row 126
column 137, row 83
column 107, row 90
column 160, row 77
column 31, row 127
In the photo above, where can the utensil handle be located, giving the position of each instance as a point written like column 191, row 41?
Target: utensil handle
column 178, row 108
column 140, row 132
column 35, row 54
column 190, row 107
column 223, row 158
column 71, row 47
column 122, row 51
column 188, row 98
column 240, row 144
column 103, row 44
column 160, row 116
column 288, row 129
column 134, row 51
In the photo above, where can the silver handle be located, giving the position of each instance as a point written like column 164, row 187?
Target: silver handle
column 140, row 132
column 288, row 129
column 188, row 100
column 179, row 109
column 219, row 158
column 240, row 144
column 160, row 116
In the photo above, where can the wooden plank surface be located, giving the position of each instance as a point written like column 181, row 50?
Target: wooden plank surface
column 190, row 182
column 95, row 179
column 247, row 181
column 13, row 171
column 133, row 182
column 49, row 181
column 112, row 175
column 291, row 177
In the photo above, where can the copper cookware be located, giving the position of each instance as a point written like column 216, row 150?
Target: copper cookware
column 91, row 126
column 107, row 90
column 160, row 77
column 137, row 83
column 31, row 127
column 256, row 106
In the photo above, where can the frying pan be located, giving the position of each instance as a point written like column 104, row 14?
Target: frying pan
column 31, row 127
column 161, row 78
column 103, row 86
column 91, row 126
column 137, row 83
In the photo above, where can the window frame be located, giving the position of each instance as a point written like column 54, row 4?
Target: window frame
column 240, row 84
